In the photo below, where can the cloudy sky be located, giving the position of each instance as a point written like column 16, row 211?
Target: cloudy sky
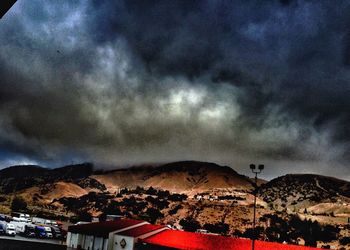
column 130, row 82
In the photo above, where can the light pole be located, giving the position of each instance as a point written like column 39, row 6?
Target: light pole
column 256, row 171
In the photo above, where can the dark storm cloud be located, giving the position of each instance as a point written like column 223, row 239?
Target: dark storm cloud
column 292, row 54
column 145, row 81
column 301, row 48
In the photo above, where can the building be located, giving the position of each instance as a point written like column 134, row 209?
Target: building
column 125, row 234
column 128, row 239
column 120, row 234
column 113, row 217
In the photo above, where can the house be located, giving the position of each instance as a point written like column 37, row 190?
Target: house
column 198, row 197
column 120, row 234
column 95, row 236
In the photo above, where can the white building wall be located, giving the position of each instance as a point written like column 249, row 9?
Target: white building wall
column 105, row 244
column 110, row 241
column 88, row 242
column 80, row 239
column 111, row 234
column 98, row 242
column 73, row 240
column 68, row 239
column 128, row 240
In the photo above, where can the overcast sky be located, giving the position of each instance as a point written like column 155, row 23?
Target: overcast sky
column 131, row 82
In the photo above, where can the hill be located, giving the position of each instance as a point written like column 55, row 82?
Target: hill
column 20, row 177
column 300, row 191
column 22, row 171
column 185, row 176
column 190, row 177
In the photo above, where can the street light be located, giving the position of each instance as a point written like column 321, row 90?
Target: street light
column 256, row 171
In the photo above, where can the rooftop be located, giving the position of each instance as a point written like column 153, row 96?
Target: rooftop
column 196, row 241
column 141, row 230
column 102, row 229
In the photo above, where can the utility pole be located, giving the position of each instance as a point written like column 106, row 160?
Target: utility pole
column 256, row 171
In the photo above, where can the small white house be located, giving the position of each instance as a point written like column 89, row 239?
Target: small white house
column 120, row 234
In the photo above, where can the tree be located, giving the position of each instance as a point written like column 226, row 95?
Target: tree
column 139, row 190
column 153, row 214
column 18, row 204
column 219, row 228
column 177, row 197
column 250, row 233
column 151, row 191
column 112, row 208
column 190, row 224
column 162, row 194
column 345, row 241
column 83, row 215
column 175, row 209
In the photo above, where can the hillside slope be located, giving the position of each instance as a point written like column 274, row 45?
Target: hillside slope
column 17, row 178
column 186, row 176
column 296, row 191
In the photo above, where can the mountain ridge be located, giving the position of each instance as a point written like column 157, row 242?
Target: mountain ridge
column 19, row 177
column 191, row 177
column 186, row 176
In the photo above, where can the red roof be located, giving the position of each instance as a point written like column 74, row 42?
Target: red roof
column 102, row 229
column 196, row 241
column 141, row 230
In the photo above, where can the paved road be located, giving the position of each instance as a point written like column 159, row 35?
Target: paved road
column 21, row 238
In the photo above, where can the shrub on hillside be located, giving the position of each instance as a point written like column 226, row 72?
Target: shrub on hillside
column 345, row 241
column 219, row 228
column 18, row 204
column 81, row 215
column 153, row 214
column 189, row 224
column 175, row 209
column 177, row 197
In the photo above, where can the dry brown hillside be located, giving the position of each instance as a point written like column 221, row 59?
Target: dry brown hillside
column 303, row 191
column 182, row 177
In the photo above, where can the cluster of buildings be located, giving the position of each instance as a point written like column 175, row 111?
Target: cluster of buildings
column 209, row 197
column 127, row 234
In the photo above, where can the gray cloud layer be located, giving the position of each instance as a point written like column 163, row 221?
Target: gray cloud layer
column 123, row 82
